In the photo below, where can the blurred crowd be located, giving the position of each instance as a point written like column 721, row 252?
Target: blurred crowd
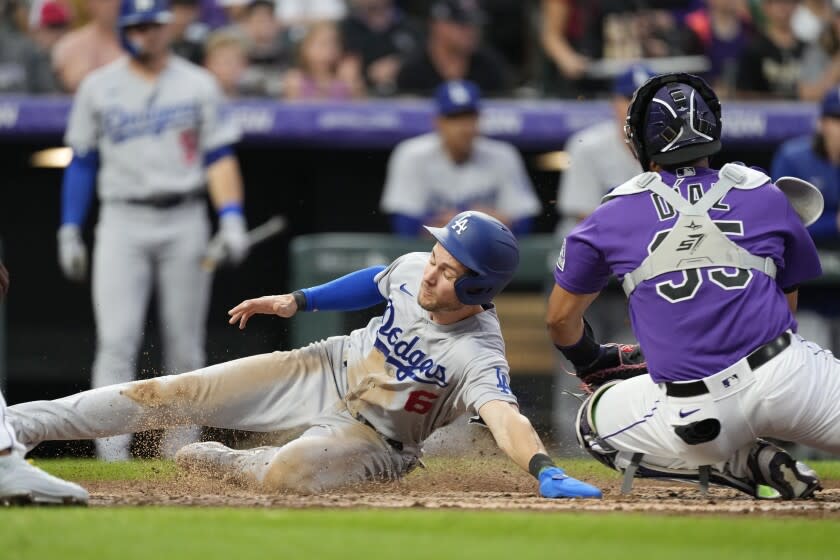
column 347, row 49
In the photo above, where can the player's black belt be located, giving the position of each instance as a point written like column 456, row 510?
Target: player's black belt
column 397, row 445
column 755, row 359
column 168, row 200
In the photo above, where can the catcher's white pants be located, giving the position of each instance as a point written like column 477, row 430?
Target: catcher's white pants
column 793, row 397
column 263, row 393
column 138, row 247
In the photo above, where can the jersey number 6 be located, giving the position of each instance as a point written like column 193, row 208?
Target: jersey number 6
column 420, row 402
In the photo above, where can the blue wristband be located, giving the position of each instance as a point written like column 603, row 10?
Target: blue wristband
column 232, row 208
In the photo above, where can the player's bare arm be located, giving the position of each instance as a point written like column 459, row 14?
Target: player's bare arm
column 515, row 435
column 594, row 363
column 224, row 182
column 512, row 431
column 282, row 306
column 564, row 318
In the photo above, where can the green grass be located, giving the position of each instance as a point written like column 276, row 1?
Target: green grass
column 93, row 470
column 151, row 533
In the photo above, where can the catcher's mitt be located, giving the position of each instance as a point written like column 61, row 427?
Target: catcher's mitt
column 617, row 361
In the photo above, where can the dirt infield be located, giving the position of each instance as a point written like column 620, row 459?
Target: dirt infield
column 500, row 488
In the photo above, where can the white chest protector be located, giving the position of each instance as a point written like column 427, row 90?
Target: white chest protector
column 695, row 241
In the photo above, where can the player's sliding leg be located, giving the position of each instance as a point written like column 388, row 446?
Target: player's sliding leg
column 260, row 393
column 183, row 297
column 22, row 483
column 337, row 451
column 122, row 283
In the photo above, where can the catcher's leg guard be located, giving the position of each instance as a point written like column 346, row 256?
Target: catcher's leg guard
column 587, row 433
column 588, row 439
column 767, row 465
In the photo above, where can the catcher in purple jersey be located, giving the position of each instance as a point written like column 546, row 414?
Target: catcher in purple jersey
column 710, row 261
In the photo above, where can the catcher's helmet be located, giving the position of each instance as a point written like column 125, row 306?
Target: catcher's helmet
column 486, row 247
column 138, row 12
column 672, row 119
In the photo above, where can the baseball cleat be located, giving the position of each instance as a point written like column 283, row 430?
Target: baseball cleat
column 24, row 484
column 203, row 455
column 774, row 467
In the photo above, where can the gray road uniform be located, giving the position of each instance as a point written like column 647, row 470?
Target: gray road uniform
column 153, row 139
column 368, row 400
column 423, row 180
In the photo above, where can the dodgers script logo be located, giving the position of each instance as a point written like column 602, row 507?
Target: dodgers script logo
column 407, row 360
column 119, row 124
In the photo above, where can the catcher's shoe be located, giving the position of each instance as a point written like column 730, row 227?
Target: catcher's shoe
column 774, row 467
column 22, row 484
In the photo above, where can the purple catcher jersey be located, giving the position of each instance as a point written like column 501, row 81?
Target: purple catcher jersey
column 691, row 324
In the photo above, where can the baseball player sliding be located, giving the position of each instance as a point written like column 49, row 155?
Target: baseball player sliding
column 20, row 482
column 369, row 399
column 147, row 131
column 710, row 261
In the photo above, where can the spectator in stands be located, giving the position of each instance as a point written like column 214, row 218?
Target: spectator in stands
column 24, row 68
column 49, row 21
column 561, row 31
column 89, row 47
column 808, row 18
column 770, row 65
column 323, row 70
column 298, row 15
column 225, row 57
column 188, row 32
column 267, row 49
column 434, row 176
column 723, row 29
column 816, row 159
column 821, row 62
column 454, row 52
column 382, row 37
column 508, row 29
column 585, row 39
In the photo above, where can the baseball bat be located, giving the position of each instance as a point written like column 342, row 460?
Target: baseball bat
column 217, row 252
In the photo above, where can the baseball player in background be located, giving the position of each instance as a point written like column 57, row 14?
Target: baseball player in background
column 816, row 158
column 20, row 482
column 368, row 399
column 710, row 261
column 147, row 132
column 436, row 175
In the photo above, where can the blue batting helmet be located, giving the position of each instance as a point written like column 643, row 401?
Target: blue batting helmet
column 486, row 247
column 673, row 118
column 138, row 12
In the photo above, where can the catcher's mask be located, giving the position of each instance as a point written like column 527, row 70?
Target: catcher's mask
column 673, row 118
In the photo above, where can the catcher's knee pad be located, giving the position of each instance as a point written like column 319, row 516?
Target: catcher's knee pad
column 587, row 432
column 634, row 465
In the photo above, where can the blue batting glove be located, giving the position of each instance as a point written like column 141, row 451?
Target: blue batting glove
column 554, row 483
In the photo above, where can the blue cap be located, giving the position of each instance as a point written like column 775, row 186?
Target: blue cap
column 830, row 106
column 631, row 79
column 457, row 97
